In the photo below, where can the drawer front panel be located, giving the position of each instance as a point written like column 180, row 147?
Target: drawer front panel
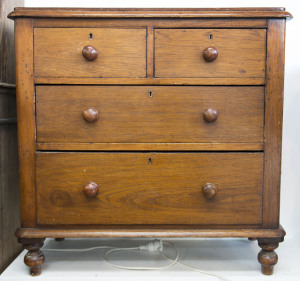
column 58, row 52
column 129, row 114
column 149, row 188
column 240, row 53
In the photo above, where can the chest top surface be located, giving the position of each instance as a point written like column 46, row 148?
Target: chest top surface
column 151, row 12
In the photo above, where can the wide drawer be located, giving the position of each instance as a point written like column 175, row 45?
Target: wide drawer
column 140, row 114
column 121, row 52
column 149, row 188
column 240, row 53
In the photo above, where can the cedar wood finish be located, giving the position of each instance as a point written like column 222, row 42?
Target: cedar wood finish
column 149, row 137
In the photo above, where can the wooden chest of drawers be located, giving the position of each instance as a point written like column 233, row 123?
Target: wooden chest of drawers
column 150, row 123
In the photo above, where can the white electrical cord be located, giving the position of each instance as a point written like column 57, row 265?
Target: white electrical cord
column 155, row 246
column 88, row 249
column 196, row 269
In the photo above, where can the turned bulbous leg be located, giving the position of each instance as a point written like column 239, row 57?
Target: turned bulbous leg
column 34, row 257
column 267, row 256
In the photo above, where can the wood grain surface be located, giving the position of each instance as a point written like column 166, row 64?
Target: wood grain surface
column 149, row 232
column 241, row 53
column 26, row 119
column 151, row 12
column 131, row 115
column 111, row 146
column 147, row 136
column 151, row 81
column 149, row 188
column 150, row 51
column 273, row 130
column 58, row 52
column 157, row 22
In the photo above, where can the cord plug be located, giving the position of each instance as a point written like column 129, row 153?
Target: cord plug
column 153, row 246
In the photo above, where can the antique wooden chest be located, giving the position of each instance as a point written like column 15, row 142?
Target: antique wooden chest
column 150, row 123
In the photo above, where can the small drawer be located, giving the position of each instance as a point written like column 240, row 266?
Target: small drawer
column 152, row 114
column 90, row 52
column 214, row 53
column 149, row 188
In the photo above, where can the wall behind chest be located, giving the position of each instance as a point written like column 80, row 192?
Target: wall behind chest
column 9, row 183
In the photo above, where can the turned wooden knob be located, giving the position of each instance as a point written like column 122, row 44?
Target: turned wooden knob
column 90, row 114
column 209, row 190
column 90, row 52
column 210, row 54
column 91, row 190
column 210, row 115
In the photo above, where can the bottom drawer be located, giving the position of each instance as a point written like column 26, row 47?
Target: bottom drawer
column 149, row 188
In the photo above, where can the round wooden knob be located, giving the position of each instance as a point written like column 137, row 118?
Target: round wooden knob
column 90, row 53
column 210, row 115
column 209, row 190
column 90, row 114
column 210, row 54
column 91, row 190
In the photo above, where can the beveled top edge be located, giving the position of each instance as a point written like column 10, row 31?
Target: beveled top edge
column 150, row 13
column 154, row 9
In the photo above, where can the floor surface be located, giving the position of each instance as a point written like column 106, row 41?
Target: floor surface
column 233, row 259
